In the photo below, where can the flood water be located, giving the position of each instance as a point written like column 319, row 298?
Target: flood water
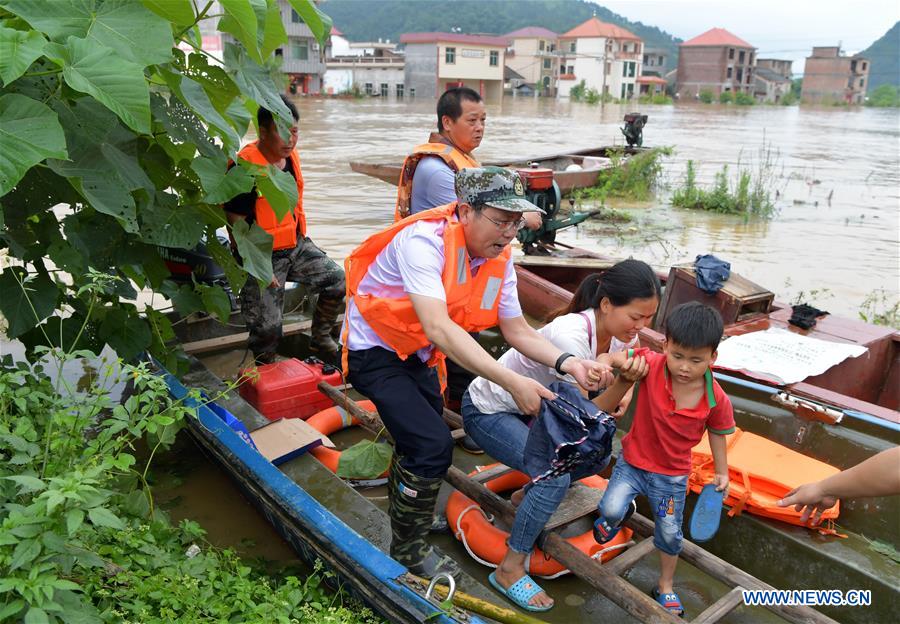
column 840, row 251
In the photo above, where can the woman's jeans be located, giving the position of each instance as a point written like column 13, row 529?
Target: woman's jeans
column 502, row 436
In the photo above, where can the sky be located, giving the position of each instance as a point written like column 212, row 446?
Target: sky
column 786, row 29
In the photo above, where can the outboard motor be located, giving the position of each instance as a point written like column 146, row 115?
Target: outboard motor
column 542, row 191
column 634, row 129
column 190, row 265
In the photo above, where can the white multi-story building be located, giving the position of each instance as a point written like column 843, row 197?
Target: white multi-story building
column 606, row 57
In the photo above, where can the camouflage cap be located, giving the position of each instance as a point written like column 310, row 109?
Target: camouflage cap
column 495, row 187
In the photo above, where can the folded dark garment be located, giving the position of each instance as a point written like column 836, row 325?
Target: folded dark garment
column 712, row 273
column 805, row 316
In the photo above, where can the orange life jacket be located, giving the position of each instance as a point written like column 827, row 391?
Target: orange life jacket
column 472, row 302
column 454, row 158
column 284, row 232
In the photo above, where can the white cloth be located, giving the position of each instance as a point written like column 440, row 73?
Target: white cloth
column 569, row 333
column 413, row 263
column 782, row 356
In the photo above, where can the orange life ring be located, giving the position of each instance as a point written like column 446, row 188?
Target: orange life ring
column 330, row 421
column 485, row 541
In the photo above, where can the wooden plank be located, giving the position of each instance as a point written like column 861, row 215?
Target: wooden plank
column 630, row 557
column 598, row 264
column 498, row 470
column 580, row 500
column 232, row 340
column 721, row 607
column 731, row 575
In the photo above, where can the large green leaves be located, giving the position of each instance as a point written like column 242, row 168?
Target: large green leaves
column 18, row 50
column 29, row 133
column 318, row 22
column 279, row 188
column 25, row 300
column 179, row 11
column 254, row 80
column 365, row 460
column 255, row 246
column 240, row 21
column 126, row 333
column 125, row 26
column 167, row 224
column 113, row 81
column 219, row 185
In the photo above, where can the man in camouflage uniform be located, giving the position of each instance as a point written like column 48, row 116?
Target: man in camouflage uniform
column 401, row 272
column 295, row 258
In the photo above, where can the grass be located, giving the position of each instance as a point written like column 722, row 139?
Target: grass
column 636, row 178
column 881, row 308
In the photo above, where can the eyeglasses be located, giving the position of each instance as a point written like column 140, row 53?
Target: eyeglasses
column 505, row 226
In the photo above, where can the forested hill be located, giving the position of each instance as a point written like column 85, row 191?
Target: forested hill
column 388, row 19
column 884, row 55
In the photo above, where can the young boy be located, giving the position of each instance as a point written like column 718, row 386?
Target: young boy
column 676, row 401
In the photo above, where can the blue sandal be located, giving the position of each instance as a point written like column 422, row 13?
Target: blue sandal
column 671, row 602
column 707, row 512
column 520, row 592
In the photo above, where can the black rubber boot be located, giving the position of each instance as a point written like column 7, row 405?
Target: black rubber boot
column 321, row 342
column 412, row 499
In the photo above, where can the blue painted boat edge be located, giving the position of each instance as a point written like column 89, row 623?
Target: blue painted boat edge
column 380, row 565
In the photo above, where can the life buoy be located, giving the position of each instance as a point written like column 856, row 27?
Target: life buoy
column 487, row 543
column 330, row 421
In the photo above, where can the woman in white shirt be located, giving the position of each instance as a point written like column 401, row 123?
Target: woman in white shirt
column 605, row 316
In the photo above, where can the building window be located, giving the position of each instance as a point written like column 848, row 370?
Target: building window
column 730, row 53
column 412, row 91
column 541, row 45
column 862, row 81
column 571, row 69
column 295, row 17
column 300, row 50
column 660, row 62
column 622, row 94
column 648, row 61
column 369, row 89
column 750, row 59
column 384, row 89
column 741, row 56
column 399, row 90
column 450, row 56
column 571, row 46
column 628, row 69
column 740, row 75
column 728, row 73
column 494, row 58
column 546, row 63
column 864, row 67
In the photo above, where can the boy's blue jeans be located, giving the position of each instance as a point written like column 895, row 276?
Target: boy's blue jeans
column 502, row 436
column 665, row 493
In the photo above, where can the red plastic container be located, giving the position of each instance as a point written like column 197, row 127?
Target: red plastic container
column 536, row 178
column 287, row 389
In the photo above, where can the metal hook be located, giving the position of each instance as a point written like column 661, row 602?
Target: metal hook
column 451, row 583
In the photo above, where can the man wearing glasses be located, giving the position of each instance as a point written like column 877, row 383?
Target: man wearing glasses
column 415, row 291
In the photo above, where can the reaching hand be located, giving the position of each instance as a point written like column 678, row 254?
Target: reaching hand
column 809, row 498
column 527, row 393
column 590, row 375
column 533, row 220
column 274, row 283
column 634, row 369
column 721, row 483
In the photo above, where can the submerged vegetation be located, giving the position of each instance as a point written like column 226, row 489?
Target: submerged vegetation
column 749, row 193
column 636, row 178
column 881, row 308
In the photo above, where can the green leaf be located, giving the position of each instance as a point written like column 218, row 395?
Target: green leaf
column 29, row 133
column 26, row 551
column 27, row 300
column 279, row 188
column 179, row 11
column 125, row 26
column 13, row 608
column 167, row 224
column 18, row 50
column 254, row 81
column 114, row 81
column 272, row 34
column 74, row 519
column 216, row 301
column 222, row 256
column 218, row 85
column 319, row 23
column 364, row 460
column 27, row 483
column 199, row 101
column 127, row 334
column 255, row 247
column 36, row 615
column 240, row 21
column 100, row 516
column 182, row 124
column 221, row 185
column 186, row 299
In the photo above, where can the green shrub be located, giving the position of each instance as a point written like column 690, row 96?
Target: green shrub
column 885, row 96
column 706, row 96
column 725, row 97
column 635, row 178
column 789, row 99
column 577, row 93
column 592, row 96
column 744, row 99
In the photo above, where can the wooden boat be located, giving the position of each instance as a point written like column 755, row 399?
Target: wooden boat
column 588, row 165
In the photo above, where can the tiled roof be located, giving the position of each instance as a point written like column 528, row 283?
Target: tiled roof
column 717, row 37
column 595, row 28
column 531, row 32
column 435, row 37
column 335, row 32
column 651, row 80
column 767, row 74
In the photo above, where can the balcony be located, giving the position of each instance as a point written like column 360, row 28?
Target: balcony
column 567, row 76
column 629, row 56
column 368, row 61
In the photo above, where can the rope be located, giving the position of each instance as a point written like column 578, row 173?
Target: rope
column 461, row 535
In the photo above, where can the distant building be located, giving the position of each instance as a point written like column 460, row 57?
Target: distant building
column 715, row 61
column 782, row 67
column 770, row 86
column 654, row 62
column 374, row 68
column 606, row 57
column 831, row 77
column 303, row 61
column 651, row 85
column 532, row 54
column 437, row 61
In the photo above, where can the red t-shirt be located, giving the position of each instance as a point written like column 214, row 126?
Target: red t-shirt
column 661, row 438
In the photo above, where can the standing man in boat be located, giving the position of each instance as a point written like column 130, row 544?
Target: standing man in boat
column 427, row 180
column 415, row 291
column 294, row 255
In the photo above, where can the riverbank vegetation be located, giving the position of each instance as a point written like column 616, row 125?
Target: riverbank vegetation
column 636, row 178
column 885, row 96
column 748, row 193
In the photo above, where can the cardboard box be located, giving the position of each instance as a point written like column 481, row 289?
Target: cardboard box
column 285, row 439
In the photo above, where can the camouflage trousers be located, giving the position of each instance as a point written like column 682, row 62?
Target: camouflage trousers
column 263, row 309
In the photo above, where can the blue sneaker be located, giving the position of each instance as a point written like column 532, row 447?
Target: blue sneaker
column 604, row 531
